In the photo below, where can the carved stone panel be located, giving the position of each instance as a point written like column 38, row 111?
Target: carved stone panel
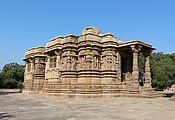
column 81, row 64
column 69, row 61
column 96, row 62
column 73, row 63
column 39, row 68
column 39, row 65
column 88, row 63
column 109, row 61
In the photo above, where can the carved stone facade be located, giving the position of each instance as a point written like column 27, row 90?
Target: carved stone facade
column 90, row 65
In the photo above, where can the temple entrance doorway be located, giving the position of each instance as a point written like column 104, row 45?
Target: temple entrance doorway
column 123, row 68
column 126, row 65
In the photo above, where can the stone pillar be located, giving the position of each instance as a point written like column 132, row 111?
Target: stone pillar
column 32, row 72
column 58, row 61
column 135, row 69
column 119, row 68
column 39, row 74
column 47, row 63
column 109, row 66
column 26, row 76
column 32, row 65
column 147, row 70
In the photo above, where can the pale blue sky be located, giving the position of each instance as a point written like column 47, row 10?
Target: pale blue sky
column 30, row 23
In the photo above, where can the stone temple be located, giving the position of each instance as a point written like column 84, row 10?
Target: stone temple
column 90, row 65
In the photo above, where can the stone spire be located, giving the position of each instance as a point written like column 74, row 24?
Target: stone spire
column 91, row 30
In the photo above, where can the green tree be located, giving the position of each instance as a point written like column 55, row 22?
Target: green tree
column 162, row 70
column 1, row 80
column 12, row 75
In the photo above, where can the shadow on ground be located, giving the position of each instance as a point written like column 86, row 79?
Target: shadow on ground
column 168, row 95
column 5, row 116
column 8, row 92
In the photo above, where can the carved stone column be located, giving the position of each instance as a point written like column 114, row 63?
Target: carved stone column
column 119, row 68
column 32, row 72
column 47, row 61
column 39, row 74
column 58, row 61
column 147, row 69
column 26, row 67
column 110, row 66
column 26, row 76
column 135, row 69
column 32, row 65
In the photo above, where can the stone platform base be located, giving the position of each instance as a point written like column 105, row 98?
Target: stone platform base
column 92, row 94
column 108, row 95
column 95, row 91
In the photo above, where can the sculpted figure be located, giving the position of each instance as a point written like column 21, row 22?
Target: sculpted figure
column 88, row 63
column 73, row 66
column 39, row 68
column 82, row 63
column 109, row 62
column 42, row 68
column 104, row 63
column 64, row 63
column 68, row 65
column 95, row 62
column 113, row 63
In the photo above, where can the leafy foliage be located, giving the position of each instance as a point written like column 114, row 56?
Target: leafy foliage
column 162, row 70
column 12, row 75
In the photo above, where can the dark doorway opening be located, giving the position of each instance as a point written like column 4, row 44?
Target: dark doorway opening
column 123, row 68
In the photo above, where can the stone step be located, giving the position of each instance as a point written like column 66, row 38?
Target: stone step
column 56, row 90
column 58, row 87
column 87, row 89
column 90, row 95
column 94, row 91
column 68, row 95
column 152, row 94
column 82, row 85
